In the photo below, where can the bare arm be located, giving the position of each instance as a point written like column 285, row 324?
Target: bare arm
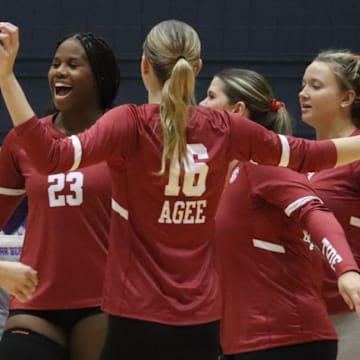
column 19, row 109
column 15, row 100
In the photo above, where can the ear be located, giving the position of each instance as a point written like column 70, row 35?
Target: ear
column 145, row 65
column 199, row 67
column 240, row 108
column 348, row 98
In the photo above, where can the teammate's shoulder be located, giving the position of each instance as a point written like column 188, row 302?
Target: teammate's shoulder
column 212, row 117
column 135, row 110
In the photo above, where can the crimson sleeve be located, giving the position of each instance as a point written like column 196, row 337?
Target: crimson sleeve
column 249, row 140
column 12, row 182
column 328, row 235
column 104, row 141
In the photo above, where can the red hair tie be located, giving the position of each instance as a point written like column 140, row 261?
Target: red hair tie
column 276, row 105
column 358, row 57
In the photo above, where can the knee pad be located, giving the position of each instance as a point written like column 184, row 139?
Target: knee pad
column 25, row 344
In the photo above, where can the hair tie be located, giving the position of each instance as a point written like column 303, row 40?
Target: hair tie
column 180, row 57
column 358, row 57
column 276, row 105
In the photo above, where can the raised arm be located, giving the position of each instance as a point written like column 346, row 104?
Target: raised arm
column 15, row 100
column 47, row 154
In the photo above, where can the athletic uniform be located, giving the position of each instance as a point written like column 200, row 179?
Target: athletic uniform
column 67, row 230
column 339, row 188
column 271, row 272
column 161, row 261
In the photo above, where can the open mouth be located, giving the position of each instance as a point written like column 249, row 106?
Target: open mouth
column 62, row 90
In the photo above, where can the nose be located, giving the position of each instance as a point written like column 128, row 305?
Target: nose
column 203, row 102
column 302, row 92
column 61, row 70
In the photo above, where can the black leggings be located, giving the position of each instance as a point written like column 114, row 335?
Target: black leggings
column 317, row 350
column 138, row 340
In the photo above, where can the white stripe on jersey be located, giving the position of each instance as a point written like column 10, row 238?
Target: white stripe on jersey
column 299, row 203
column 12, row 192
column 119, row 209
column 285, row 154
column 266, row 245
column 77, row 152
column 355, row 221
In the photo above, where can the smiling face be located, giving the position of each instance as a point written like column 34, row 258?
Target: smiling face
column 70, row 76
column 321, row 97
column 216, row 98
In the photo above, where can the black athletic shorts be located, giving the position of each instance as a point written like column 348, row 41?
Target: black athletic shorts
column 317, row 350
column 138, row 340
column 64, row 318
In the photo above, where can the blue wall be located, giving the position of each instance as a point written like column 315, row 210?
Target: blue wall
column 276, row 37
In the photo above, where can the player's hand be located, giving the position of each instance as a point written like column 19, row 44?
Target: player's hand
column 349, row 287
column 18, row 279
column 9, row 46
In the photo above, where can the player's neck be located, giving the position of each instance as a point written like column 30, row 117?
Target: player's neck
column 75, row 122
column 333, row 132
column 154, row 97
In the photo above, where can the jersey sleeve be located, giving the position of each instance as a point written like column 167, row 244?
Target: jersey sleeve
column 291, row 192
column 249, row 140
column 106, row 140
column 280, row 187
column 328, row 235
column 12, row 182
column 355, row 166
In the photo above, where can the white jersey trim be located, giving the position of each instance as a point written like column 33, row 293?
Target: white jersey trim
column 77, row 152
column 266, row 245
column 299, row 203
column 355, row 221
column 12, row 192
column 285, row 154
column 119, row 209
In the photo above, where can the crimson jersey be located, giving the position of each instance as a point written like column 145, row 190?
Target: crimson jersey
column 340, row 190
column 67, row 226
column 161, row 260
column 267, row 223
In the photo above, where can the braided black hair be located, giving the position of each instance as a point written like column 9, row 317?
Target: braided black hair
column 103, row 64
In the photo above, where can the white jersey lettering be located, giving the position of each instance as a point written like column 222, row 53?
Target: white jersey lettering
column 195, row 173
column 330, row 253
column 183, row 212
column 57, row 185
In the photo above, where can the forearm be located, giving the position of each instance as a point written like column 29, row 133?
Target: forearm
column 348, row 149
column 329, row 236
column 15, row 100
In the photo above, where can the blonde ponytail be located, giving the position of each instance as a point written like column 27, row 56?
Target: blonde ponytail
column 173, row 49
column 177, row 96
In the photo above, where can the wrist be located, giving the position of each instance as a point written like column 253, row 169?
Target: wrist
column 6, row 79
